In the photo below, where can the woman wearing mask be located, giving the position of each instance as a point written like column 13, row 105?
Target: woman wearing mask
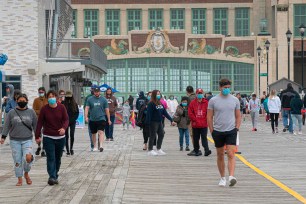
column 19, row 124
column 73, row 114
column 53, row 119
column 154, row 118
column 182, row 119
column 11, row 104
column 274, row 107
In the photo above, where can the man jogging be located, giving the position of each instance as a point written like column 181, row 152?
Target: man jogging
column 223, row 117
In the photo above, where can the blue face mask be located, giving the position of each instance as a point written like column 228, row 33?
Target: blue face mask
column 200, row 96
column 226, row 91
column 158, row 97
column 184, row 104
column 51, row 101
column 149, row 97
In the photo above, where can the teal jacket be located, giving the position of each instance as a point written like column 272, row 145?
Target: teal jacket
column 296, row 105
column 265, row 104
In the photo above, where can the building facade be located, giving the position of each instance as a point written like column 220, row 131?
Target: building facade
column 168, row 45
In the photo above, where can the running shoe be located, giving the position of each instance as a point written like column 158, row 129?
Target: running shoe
column 181, row 148
column 38, row 151
column 300, row 133
column 111, row 139
column 101, row 149
column 222, row 182
column 95, row 149
column 43, row 153
column 276, row 130
column 71, row 152
column 187, row 148
column 295, row 133
column 207, row 153
column 152, row 153
column 161, row 153
column 232, row 180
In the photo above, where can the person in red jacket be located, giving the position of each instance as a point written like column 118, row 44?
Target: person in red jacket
column 197, row 112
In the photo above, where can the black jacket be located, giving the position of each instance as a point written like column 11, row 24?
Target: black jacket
column 296, row 105
column 73, row 115
column 287, row 95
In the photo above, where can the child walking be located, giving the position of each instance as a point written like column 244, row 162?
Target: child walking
column 183, row 121
column 126, row 109
column 254, row 109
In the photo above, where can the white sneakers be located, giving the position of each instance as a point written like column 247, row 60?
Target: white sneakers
column 300, row 133
column 232, row 181
column 156, row 153
column 95, row 149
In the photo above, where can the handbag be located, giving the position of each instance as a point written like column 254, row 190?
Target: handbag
column 23, row 121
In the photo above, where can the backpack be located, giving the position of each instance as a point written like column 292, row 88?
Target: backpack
column 141, row 117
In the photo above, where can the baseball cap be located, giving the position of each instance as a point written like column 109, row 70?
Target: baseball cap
column 69, row 93
column 199, row 91
column 97, row 89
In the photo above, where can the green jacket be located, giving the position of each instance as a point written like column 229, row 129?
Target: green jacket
column 296, row 105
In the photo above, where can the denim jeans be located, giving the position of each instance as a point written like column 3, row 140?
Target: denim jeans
column 297, row 121
column 54, row 150
column 109, row 129
column 19, row 151
column 71, row 135
column 286, row 115
column 126, row 120
column 184, row 132
column 90, row 138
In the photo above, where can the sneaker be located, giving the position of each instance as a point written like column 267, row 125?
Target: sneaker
column 232, row 180
column 68, row 154
column 192, row 153
column 181, row 148
column 300, row 133
column 43, row 153
column 95, row 149
column 71, row 152
column 207, row 153
column 255, row 129
column 273, row 132
column 222, row 182
column 198, row 154
column 56, row 181
column 101, row 149
column 51, row 181
column 38, row 151
column 284, row 130
column 161, row 153
column 276, row 130
column 294, row 132
column 187, row 148
column 112, row 139
column 152, row 153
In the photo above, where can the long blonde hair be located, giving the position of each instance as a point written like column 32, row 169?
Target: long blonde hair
column 272, row 93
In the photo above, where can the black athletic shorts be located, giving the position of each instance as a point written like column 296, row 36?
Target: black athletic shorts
column 224, row 138
column 95, row 126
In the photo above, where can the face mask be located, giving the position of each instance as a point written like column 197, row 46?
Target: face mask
column 184, row 104
column 22, row 104
column 41, row 94
column 226, row 91
column 149, row 97
column 51, row 101
column 158, row 97
column 200, row 96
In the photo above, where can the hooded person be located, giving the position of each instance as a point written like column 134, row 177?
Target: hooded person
column 141, row 100
column 113, row 104
column 172, row 105
column 10, row 91
column 12, row 103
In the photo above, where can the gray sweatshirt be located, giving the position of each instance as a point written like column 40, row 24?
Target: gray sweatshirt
column 16, row 129
column 126, row 109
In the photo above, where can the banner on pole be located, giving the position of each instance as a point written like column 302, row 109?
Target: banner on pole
column 80, row 122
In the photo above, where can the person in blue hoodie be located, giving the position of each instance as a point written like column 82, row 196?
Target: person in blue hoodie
column 154, row 118
column 12, row 103
column 296, row 105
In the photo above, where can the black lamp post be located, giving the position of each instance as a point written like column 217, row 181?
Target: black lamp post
column 267, row 45
column 288, row 34
column 258, row 53
column 302, row 31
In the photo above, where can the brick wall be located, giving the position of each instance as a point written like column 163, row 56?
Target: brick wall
column 138, row 40
column 156, row 1
column 245, row 46
column 177, row 39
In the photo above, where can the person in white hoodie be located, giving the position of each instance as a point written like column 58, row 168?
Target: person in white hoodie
column 274, row 106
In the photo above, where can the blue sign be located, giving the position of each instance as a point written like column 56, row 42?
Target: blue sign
column 3, row 59
column 80, row 122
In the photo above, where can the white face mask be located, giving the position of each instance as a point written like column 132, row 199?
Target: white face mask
column 41, row 94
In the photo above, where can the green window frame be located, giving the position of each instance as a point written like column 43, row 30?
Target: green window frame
column 156, row 19
column 112, row 22
column 198, row 21
column 177, row 19
column 134, row 19
column 299, row 18
column 242, row 21
column 75, row 24
column 91, row 22
column 221, row 21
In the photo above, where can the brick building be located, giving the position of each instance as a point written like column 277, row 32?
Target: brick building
column 169, row 44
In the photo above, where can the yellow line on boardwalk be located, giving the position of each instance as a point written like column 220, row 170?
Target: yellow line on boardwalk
column 268, row 177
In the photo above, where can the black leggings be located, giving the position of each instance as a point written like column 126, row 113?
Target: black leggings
column 72, row 130
column 274, row 120
column 146, row 133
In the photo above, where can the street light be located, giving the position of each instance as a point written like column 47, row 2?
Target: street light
column 288, row 34
column 258, row 53
column 267, row 45
column 302, row 31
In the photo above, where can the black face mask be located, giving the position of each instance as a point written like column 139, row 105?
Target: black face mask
column 22, row 104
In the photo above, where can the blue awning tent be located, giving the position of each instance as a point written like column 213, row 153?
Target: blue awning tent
column 3, row 59
column 103, row 88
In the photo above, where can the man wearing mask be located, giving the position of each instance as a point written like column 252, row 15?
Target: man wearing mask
column 112, row 103
column 197, row 112
column 38, row 103
column 224, row 120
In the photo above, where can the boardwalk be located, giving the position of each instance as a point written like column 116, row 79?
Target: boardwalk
column 123, row 173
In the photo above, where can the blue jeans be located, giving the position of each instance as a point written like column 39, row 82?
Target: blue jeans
column 126, row 120
column 90, row 137
column 54, row 150
column 184, row 132
column 109, row 129
column 19, row 151
column 297, row 121
column 286, row 115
